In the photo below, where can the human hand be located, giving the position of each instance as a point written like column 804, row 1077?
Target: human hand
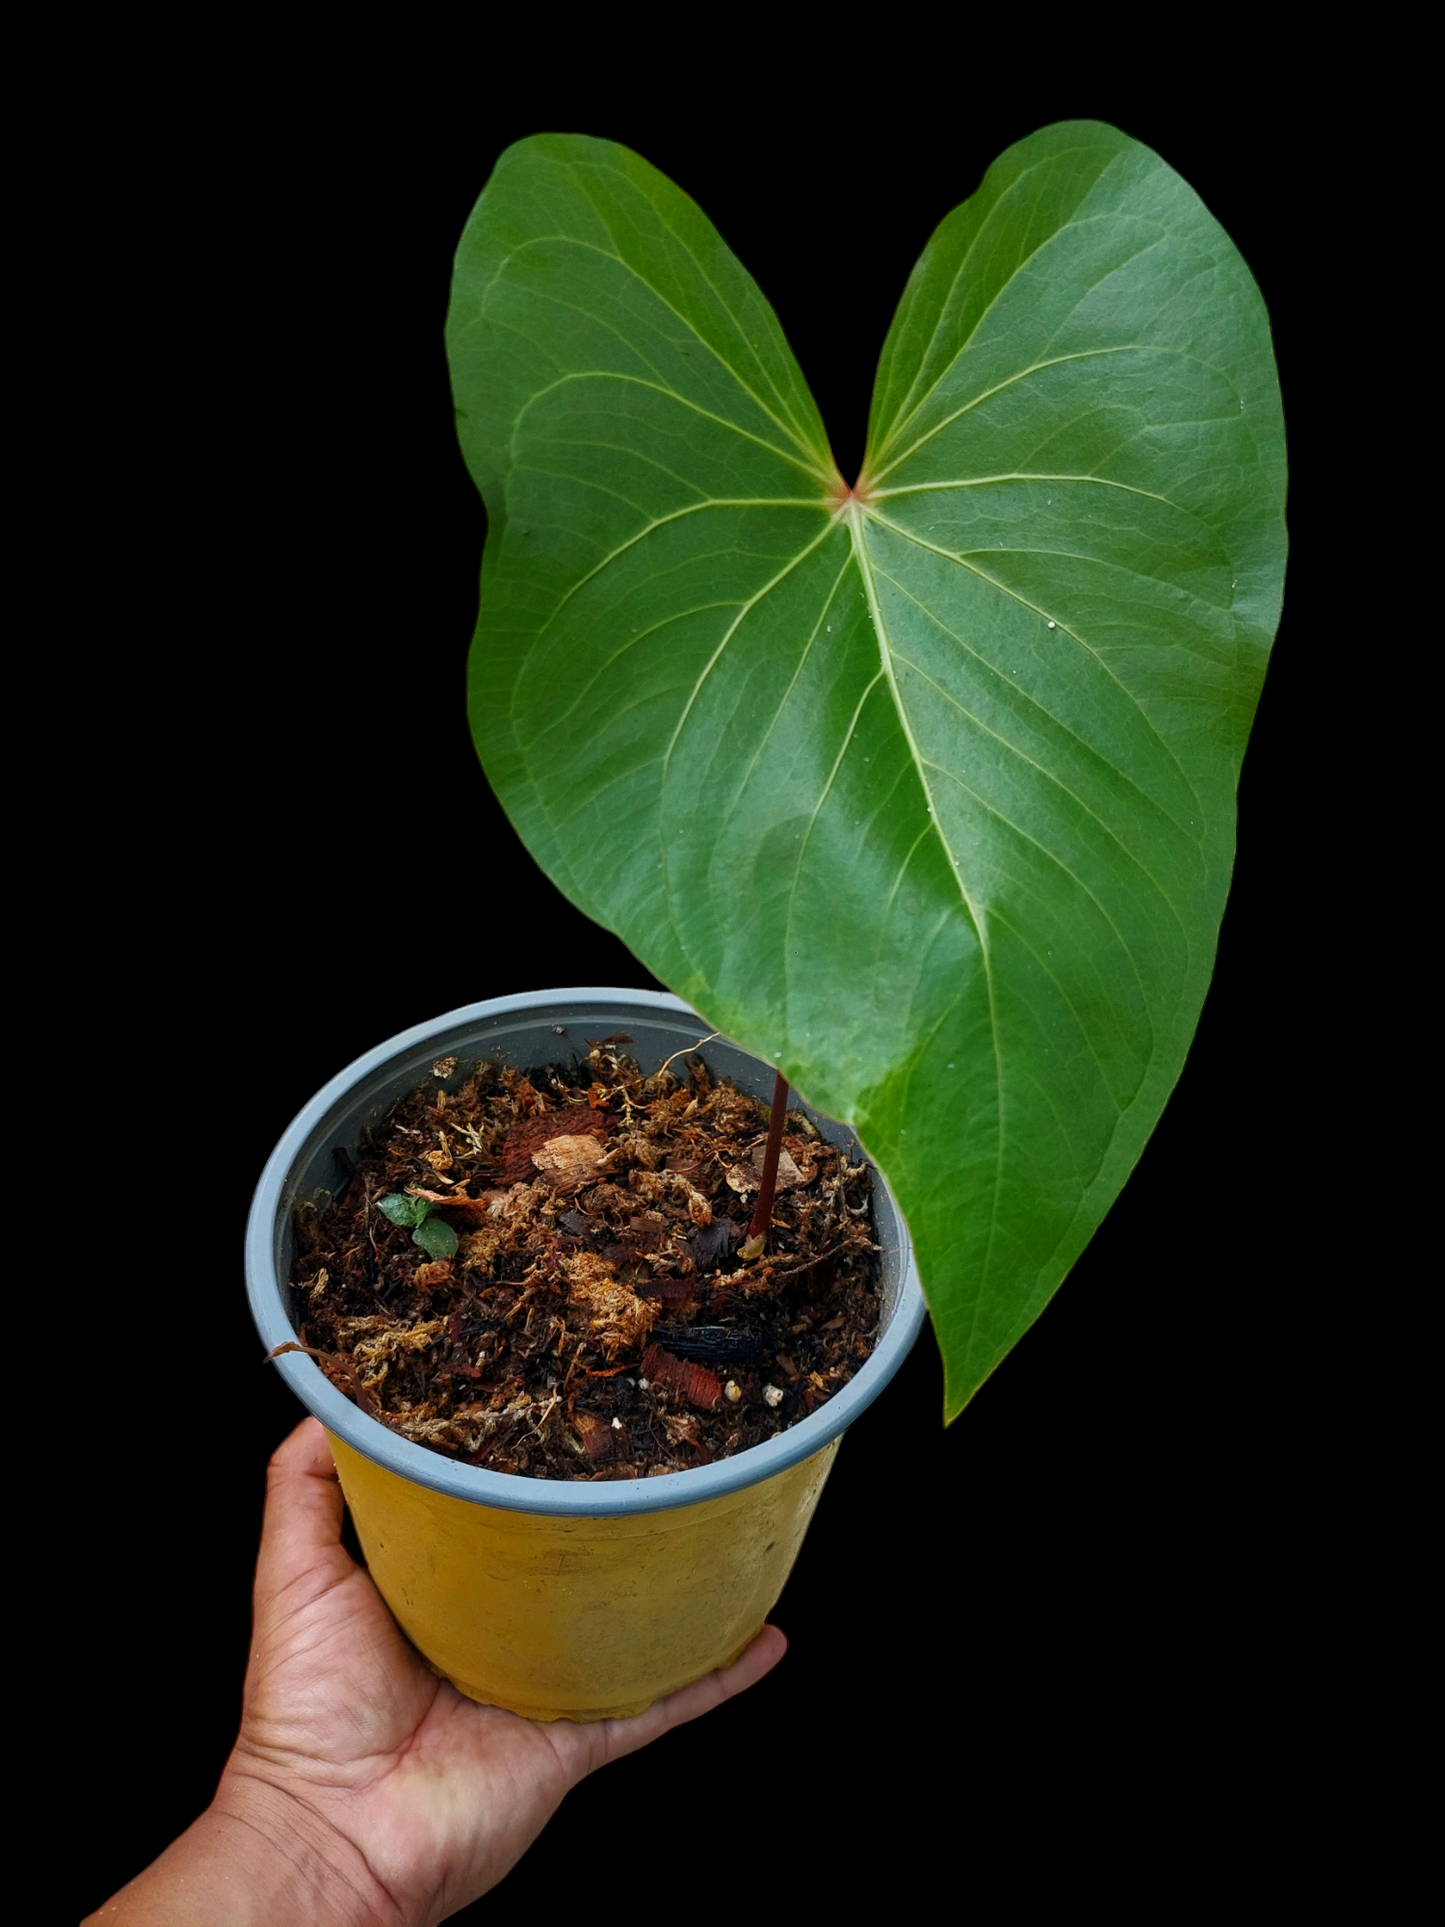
column 362, row 1789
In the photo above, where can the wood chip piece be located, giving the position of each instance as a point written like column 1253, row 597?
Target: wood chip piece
column 674, row 1292
column 529, row 1134
column 788, row 1172
column 596, row 1434
column 695, row 1383
column 569, row 1161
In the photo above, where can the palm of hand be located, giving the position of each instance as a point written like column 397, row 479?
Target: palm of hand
column 435, row 1796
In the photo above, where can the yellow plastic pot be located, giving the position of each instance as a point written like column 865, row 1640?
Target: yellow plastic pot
column 560, row 1600
column 578, row 1617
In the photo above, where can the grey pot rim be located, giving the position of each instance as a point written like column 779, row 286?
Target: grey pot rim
column 511, row 1492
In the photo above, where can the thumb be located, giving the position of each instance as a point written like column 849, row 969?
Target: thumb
column 301, row 1530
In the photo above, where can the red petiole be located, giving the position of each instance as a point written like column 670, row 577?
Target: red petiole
column 762, row 1218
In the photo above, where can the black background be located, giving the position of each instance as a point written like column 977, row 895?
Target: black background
column 1021, row 1641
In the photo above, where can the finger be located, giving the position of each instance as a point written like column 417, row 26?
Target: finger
column 612, row 1739
column 301, row 1530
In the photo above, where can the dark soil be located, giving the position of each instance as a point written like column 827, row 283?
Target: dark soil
column 595, row 1320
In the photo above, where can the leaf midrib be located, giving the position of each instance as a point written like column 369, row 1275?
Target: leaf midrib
column 856, row 517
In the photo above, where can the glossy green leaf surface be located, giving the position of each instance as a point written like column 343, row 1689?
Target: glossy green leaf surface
column 924, row 792
column 403, row 1210
column 436, row 1238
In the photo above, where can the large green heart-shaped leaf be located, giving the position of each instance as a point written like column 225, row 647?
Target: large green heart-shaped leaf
column 924, row 791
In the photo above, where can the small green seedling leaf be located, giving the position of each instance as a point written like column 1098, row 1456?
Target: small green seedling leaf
column 436, row 1239
column 403, row 1210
